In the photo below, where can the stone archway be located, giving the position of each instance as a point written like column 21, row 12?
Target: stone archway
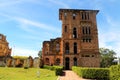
column 67, row 63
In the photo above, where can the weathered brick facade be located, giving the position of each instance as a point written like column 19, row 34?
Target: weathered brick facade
column 4, row 46
column 78, row 45
column 5, row 51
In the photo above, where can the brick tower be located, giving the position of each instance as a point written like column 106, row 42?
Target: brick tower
column 78, row 45
column 79, row 38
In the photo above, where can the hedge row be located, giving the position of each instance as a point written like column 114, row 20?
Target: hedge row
column 92, row 73
column 57, row 69
column 115, row 72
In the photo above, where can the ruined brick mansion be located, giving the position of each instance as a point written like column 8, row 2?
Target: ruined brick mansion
column 78, row 45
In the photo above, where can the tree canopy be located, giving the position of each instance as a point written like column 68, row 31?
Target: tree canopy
column 40, row 53
column 107, row 57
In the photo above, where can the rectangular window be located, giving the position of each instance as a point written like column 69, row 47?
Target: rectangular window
column 85, row 15
column 82, row 16
column 87, row 55
column 92, row 56
column 65, row 28
column 86, row 40
column 65, row 16
column 74, row 16
column 83, row 30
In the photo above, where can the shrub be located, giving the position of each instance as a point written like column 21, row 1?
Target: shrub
column 95, row 73
column 92, row 73
column 115, row 72
column 26, row 67
column 77, row 70
column 57, row 69
column 48, row 67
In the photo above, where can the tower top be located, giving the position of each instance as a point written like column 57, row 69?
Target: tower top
column 63, row 11
column 77, row 10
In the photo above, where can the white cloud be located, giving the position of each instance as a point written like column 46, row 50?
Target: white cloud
column 9, row 3
column 27, row 23
column 16, row 51
column 110, row 38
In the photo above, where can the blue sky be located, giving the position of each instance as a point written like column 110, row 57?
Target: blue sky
column 27, row 23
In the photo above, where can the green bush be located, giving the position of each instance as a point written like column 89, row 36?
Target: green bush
column 92, row 73
column 115, row 72
column 48, row 67
column 77, row 70
column 57, row 69
column 26, row 67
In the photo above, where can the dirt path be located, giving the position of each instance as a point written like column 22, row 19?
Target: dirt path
column 69, row 75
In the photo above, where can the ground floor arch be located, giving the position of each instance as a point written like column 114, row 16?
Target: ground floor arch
column 67, row 63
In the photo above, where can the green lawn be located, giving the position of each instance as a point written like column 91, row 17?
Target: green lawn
column 26, row 74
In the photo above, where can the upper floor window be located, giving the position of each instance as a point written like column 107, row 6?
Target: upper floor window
column 74, row 16
column 65, row 15
column 57, row 47
column 74, row 33
column 85, row 15
column 67, row 48
column 87, row 40
column 47, row 47
column 89, row 30
column 65, row 28
column 86, row 30
column 75, row 48
column 0, row 37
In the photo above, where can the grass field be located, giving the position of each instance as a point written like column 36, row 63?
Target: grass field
column 26, row 74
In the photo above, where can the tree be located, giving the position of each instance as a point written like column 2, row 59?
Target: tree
column 107, row 57
column 40, row 53
column 41, row 61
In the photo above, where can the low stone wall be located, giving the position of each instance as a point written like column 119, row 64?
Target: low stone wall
column 11, row 62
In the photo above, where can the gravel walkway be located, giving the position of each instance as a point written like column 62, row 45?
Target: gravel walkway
column 70, row 75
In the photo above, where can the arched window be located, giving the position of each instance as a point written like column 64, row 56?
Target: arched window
column 75, row 48
column 74, row 33
column 57, row 61
column 67, row 48
column 57, row 47
column 65, row 28
column 75, row 61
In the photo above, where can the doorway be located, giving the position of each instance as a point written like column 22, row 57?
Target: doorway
column 67, row 61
